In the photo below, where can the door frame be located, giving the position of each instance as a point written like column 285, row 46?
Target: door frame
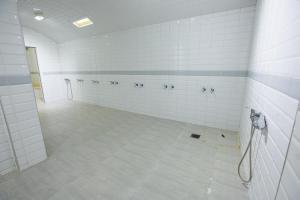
column 39, row 71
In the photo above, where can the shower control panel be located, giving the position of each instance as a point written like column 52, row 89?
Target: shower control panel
column 139, row 85
column 114, row 82
column 95, row 81
column 168, row 86
column 258, row 120
column 211, row 90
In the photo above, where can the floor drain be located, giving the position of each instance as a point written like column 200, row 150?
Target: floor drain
column 223, row 136
column 196, row 136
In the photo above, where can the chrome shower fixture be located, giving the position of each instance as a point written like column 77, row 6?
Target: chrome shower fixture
column 114, row 82
column 138, row 85
column 69, row 89
column 95, row 82
column 258, row 122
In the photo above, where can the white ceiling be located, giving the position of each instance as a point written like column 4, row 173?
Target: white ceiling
column 113, row 15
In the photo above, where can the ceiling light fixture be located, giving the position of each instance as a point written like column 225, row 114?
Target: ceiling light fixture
column 38, row 14
column 39, row 17
column 83, row 22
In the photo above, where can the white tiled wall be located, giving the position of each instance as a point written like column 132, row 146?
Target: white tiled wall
column 219, row 41
column 18, row 100
column 12, row 45
column 185, row 102
column 290, row 182
column 20, row 110
column 214, row 42
column 276, row 51
column 277, row 42
column 48, row 60
column 270, row 150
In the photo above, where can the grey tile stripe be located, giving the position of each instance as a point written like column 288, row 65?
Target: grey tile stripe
column 286, row 85
column 289, row 86
column 14, row 80
column 173, row 73
column 19, row 79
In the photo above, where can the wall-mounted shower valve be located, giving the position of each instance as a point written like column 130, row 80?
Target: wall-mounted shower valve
column 116, row 83
column 258, row 120
column 172, row 86
column 203, row 89
column 112, row 82
column 141, row 85
column 212, row 90
column 136, row 85
column 95, row 82
column 165, row 86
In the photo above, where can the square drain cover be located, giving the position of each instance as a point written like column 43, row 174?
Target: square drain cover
column 196, row 136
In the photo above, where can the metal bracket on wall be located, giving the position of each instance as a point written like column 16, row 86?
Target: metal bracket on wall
column 11, row 144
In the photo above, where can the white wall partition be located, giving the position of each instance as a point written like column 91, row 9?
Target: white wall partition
column 209, row 51
column 17, row 97
column 273, row 88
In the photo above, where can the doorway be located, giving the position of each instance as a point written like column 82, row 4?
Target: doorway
column 35, row 73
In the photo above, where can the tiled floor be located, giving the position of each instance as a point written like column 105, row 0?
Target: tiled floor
column 106, row 154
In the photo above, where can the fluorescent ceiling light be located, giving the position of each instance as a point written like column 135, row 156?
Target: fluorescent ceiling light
column 83, row 22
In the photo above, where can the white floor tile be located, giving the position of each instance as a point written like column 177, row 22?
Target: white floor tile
column 102, row 153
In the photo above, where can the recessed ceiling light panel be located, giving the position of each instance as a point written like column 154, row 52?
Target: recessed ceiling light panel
column 39, row 17
column 83, row 22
